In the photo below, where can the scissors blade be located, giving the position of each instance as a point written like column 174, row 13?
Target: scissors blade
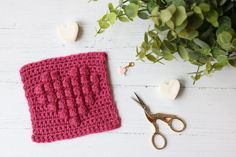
column 139, row 99
column 141, row 103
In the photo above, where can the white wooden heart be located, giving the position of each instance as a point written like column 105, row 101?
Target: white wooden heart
column 69, row 31
column 170, row 90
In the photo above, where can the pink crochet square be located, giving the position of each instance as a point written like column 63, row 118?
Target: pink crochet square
column 69, row 96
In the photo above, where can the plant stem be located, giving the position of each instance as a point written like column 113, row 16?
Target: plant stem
column 98, row 31
column 196, row 72
column 125, row 1
column 198, row 68
column 160, row 59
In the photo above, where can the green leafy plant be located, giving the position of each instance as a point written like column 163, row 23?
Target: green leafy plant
column 201, row 32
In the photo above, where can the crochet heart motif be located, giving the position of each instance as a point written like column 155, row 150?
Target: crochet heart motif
column 70, row 96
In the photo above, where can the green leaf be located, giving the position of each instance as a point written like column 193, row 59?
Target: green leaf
column 104, row 18
column 217, row 51
column 146, row 37
column 156, row 51
column 203, row 59
column 177, row 2
column 142, row 54
column 227, row 46
column 214, row 3
column 212, row 17
column 103, row 24
column 196, row 77
column 169, row 45
column 181, row 27
column 179, row 16
column 143, row 15
column 123, row 19
column 151, row 5
column 200, row 43
column 217, row 66
column 183, row 52
column 170, row 24
column 224, row 37
column 165, row 15
column 195, row 21
column 156, row 45
column 145, row 46
column 167, row 55
column 151, row 57
column 152, row 34
column 131, row 10
column 171, row 35
column 234, row 43
column 205, row 7
column 193, row 55
column 225, row 28
column 222, row 2
column 134, row 1
column 111, row 7
column 198, row 11
column 205, row 51
column 208, row 66
column 188, row 33
column 225, row 20
column 171, row 8
column 225, row 25
column 111, row 18
column 196, row 62
column 224, row 40
column 233, row 62
column 155, row 18
column 193, row 46
column 222, row 60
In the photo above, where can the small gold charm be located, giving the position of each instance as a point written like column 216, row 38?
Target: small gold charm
column 123, row 70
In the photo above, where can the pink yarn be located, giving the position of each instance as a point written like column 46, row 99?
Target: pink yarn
column 69, row 96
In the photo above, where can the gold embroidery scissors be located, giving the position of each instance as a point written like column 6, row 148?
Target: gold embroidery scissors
column 167, row 118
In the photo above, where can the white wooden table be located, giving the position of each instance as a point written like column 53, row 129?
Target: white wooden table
column 28, row 33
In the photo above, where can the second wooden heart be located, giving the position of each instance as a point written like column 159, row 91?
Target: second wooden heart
column 170, row 90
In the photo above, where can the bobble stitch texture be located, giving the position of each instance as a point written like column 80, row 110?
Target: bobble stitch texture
column 69, row 96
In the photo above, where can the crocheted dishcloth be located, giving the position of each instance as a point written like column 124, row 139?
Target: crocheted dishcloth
column 69, row 96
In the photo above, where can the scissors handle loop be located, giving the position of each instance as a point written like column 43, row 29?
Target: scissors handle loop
column 156, row 137
column 181, row 122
